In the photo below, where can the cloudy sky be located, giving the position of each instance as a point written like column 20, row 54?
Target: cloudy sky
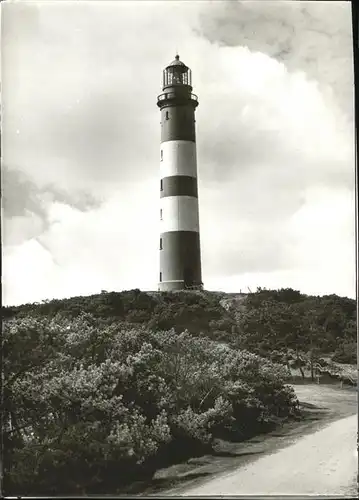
column 81, row 141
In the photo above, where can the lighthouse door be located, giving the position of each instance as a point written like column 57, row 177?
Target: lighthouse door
column 188, row 276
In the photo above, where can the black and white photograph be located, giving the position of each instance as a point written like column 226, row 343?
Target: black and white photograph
column 178, row 208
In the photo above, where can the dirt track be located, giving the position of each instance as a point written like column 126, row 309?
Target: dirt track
column 322, row 463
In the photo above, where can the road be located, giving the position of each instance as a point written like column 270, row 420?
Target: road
column 322, row 463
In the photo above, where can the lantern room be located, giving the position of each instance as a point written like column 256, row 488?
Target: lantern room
column 177, row 73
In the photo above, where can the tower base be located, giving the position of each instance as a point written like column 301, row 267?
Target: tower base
column 175, row 285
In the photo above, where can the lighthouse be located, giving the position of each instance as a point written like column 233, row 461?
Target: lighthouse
column 179, row 245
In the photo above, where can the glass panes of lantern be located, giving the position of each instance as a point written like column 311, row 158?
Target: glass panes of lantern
column 176, row 75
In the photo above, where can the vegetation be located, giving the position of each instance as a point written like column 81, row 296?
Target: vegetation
column 102, row 390
column 266, row 321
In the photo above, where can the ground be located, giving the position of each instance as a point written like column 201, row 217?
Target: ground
column 322, row 463
column 317, row 455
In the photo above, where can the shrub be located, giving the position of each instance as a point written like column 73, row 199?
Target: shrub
column 91, row 406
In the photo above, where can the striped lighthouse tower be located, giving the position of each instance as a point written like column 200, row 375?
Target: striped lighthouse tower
column 180, row 255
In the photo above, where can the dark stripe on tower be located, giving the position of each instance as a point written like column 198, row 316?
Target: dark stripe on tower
column 180, row 256
column 179, row 185
column 178, row 123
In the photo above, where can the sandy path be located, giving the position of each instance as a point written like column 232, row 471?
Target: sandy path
column 322, row 463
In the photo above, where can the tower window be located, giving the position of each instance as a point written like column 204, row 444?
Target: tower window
column 160, row 276
column 161, row 213
column 161, row 244
column 167, row 115
column 161, row 184
column 161, row 155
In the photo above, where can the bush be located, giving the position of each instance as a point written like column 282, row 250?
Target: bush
column 347, row 354
column 92, row 407
column 261, row 322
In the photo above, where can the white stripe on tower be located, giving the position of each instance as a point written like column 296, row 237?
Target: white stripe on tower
column 178, row 158
column 179, row 213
